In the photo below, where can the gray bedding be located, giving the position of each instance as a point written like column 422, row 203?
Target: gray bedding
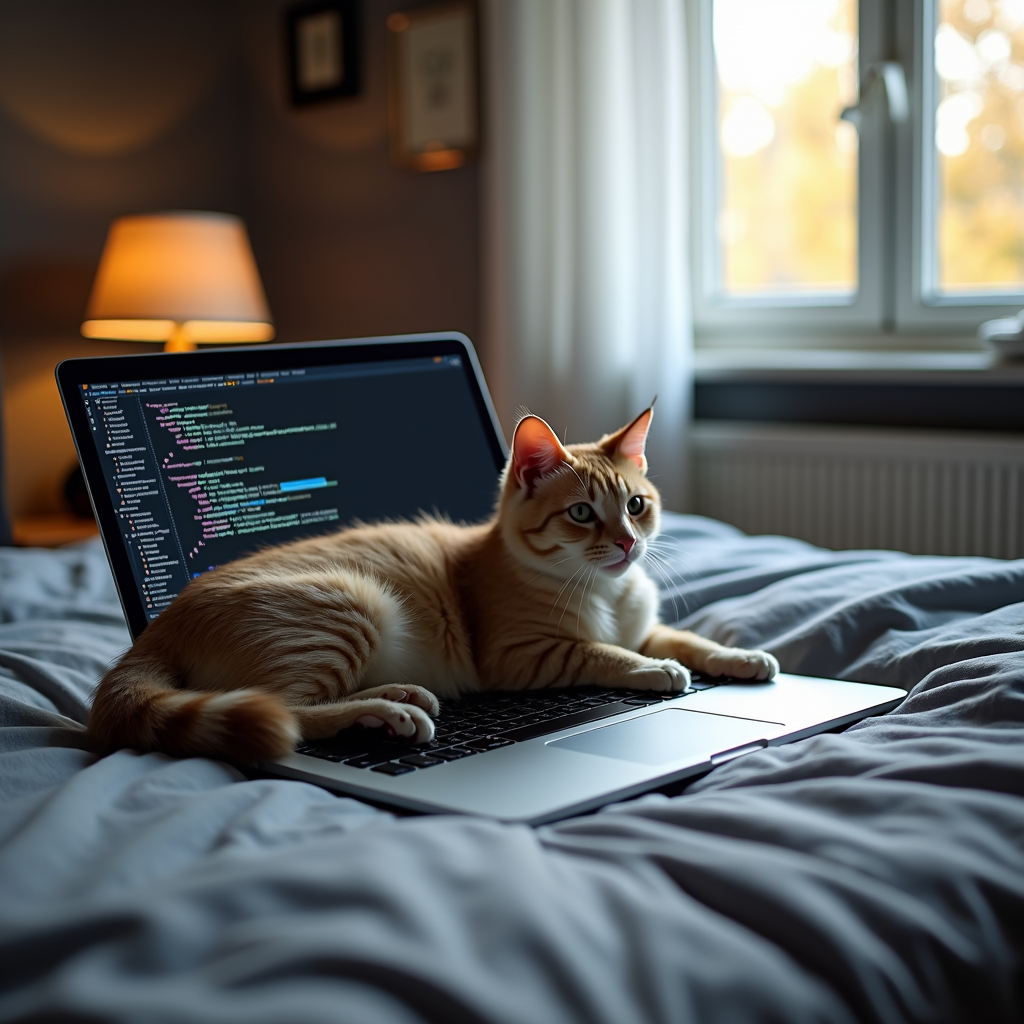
column 873, row 875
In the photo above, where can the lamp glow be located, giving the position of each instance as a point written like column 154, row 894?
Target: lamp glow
column 180, row 278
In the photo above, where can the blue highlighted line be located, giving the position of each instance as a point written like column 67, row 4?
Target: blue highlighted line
column 304, row 485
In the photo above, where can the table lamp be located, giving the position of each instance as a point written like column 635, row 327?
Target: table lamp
column 182, row 278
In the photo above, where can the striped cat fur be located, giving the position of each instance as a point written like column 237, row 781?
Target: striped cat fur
column 373, row 624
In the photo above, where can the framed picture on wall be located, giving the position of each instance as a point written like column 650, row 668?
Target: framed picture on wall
column 324, row 50
column 434, row 101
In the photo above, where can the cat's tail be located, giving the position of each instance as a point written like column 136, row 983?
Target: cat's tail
column 138, row 704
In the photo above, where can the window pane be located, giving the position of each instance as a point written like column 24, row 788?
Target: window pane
column 788, row 166
column 979, row 143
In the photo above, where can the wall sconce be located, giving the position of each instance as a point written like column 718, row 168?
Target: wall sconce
column 433, row 98
column 182, row 278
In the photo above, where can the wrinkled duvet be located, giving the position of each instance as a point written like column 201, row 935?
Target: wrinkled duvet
column 873, row 875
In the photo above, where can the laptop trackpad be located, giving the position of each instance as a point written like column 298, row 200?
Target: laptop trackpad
column 672, row 734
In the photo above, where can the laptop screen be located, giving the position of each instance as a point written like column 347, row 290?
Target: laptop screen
column 201, row 469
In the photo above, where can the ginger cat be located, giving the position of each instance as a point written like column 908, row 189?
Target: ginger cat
column 370, row 623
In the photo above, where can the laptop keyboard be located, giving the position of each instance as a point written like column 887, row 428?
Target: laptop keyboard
column 480, row 722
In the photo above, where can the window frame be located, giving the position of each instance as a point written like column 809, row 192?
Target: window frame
column 893, row 306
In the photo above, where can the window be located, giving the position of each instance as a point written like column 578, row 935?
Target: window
column 859, row 176
column 975, row 170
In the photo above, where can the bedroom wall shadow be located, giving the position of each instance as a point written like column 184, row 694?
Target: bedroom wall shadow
column 89, row 130
column 115, row 107
column 38, row 450
column 348, row 244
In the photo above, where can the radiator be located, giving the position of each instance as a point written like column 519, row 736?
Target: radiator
column 922, row 492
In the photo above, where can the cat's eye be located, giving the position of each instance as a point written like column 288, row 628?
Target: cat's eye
column 635, row 505
column 581, row 513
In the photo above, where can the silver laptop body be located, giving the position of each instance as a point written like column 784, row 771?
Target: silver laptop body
column 254, row 431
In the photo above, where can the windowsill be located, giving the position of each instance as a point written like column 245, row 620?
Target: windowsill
column 918, row 390
column 807, row 365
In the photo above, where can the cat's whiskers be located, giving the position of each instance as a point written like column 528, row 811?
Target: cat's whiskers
column 674, row 579
column 584, row 598
column 676, row 547
column 655, row 561
column 668, row 539
column 568, row 600
column 675, row 605
column 554, row 603
column 526, row 583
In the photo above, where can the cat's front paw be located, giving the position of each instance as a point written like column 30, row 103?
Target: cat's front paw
column 405, row 720
column 663, row 674
column 742, row 664
column 402, row 693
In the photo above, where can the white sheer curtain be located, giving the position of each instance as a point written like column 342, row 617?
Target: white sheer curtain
column 587, row 313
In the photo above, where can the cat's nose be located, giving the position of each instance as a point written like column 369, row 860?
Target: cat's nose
column 626, row 543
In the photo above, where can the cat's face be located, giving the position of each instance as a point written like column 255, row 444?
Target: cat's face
column 586, row 510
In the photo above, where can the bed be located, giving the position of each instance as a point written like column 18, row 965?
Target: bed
column 871, row 875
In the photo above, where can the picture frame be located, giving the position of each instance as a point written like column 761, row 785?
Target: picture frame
column 434, row 95
column 324, row 40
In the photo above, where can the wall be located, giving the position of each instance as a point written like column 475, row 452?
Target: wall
column 350, row 245
column 115, row 107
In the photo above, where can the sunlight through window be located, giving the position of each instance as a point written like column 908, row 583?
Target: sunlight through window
column 979, row 143
column 787, row 220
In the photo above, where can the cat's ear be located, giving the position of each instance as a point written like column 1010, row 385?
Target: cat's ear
column 630, row 441
column 536, row 451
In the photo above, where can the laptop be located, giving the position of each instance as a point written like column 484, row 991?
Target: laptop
column 195, row 459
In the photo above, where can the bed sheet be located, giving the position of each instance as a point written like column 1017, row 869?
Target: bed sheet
column 873, row 875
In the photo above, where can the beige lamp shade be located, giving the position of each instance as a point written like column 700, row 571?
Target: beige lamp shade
column 180, row 278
